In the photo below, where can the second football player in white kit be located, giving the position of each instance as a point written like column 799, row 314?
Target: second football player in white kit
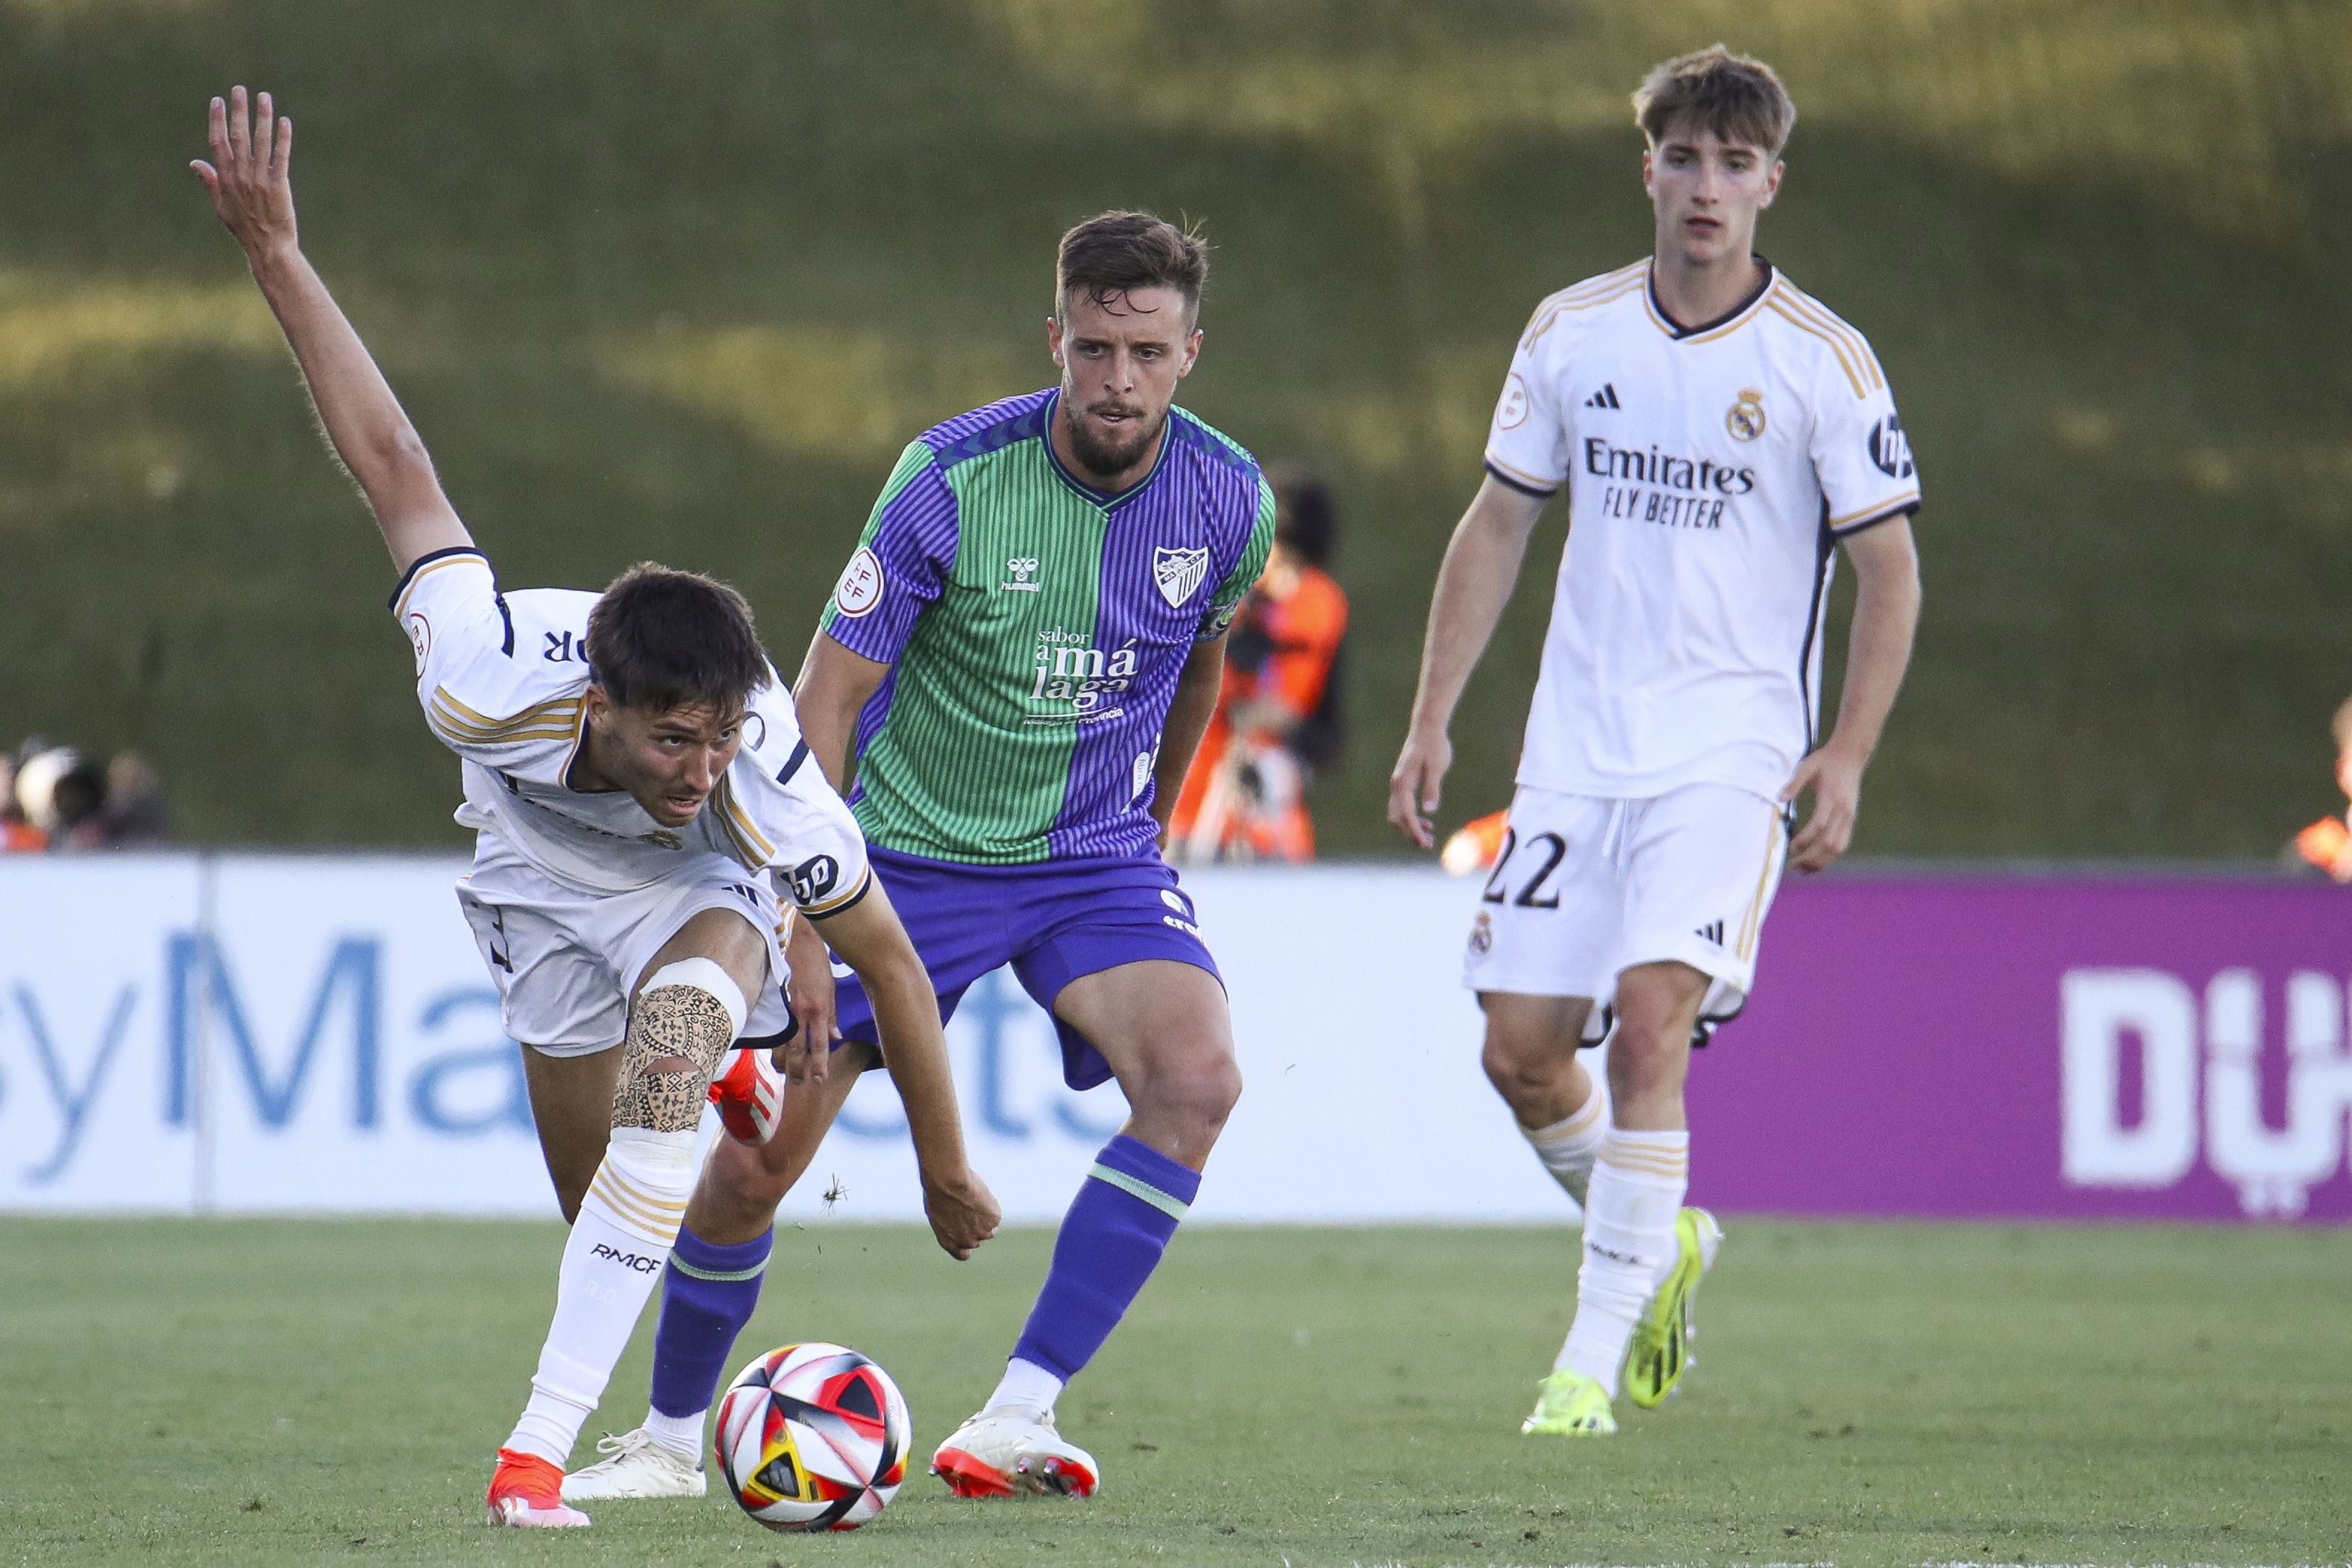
column 1720, row 436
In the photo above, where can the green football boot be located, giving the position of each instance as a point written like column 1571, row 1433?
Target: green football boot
column 1661, row 1351
column 1570, row 1405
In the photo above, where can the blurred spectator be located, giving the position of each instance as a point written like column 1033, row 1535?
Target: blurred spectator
column 17, row 833
column 2327, row 843
column 50, row 798
column 39, row 766
column 78, row 808
column 1279, row 714
column 135, row 816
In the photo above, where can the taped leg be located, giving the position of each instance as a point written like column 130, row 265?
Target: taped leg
column 686, row 1015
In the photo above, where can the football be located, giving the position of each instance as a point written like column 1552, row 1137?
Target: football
column 813, row 1436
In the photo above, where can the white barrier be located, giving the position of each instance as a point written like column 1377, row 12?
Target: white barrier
column 252, row 1034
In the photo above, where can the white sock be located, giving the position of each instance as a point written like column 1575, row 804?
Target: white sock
column 1636, row 1194
column 1568, row 1147
column 681, row 1435
column 627, row 1223
column 1026, row 1386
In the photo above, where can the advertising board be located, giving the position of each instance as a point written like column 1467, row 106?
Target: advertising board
column 236, row 1033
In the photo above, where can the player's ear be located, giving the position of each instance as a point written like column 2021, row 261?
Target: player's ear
column 1650, row 172
column 1191, row 353
column 1772, row 183
column 1054, row 341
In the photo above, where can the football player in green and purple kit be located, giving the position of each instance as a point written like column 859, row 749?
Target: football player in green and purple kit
column 1018, row 661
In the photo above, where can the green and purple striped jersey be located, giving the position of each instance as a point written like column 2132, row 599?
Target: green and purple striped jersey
column 1036, row 628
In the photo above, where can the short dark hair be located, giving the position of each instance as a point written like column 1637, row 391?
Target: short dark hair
column 1303, row 519
column 1738, row 99
column 1120, row 252
column 660, row 639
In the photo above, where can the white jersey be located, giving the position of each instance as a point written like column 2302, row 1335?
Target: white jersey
column 503, row 679
column 1709, row 472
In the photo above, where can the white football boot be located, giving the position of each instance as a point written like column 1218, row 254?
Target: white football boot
column 1004, row 1453
column 635, row 1463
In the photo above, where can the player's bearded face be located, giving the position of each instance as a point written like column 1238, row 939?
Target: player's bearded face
column 1121, row 357
column 669, row 759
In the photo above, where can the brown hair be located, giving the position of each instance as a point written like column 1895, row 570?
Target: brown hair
column 1121, row 252
column 1738, row 99
column 660, row 639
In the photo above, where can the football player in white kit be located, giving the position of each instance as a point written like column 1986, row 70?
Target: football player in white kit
column 1720, row 436
column 635, row 777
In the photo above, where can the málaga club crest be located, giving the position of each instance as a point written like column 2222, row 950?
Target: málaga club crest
column 1178, row 572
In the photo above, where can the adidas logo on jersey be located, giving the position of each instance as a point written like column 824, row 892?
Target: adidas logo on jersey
column 1604, row 399
column 1712, row 932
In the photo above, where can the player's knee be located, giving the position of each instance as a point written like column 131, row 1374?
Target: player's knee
column 1514, row 1069
column 677, row 1032
column 1199, row 1087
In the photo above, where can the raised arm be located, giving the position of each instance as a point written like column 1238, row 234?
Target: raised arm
column 247, row 179
column 1885, row 563
column 1482, row 565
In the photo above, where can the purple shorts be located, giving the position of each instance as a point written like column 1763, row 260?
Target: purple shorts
column 1051, row 920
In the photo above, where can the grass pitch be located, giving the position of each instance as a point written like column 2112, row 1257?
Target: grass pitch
column 282, row 1391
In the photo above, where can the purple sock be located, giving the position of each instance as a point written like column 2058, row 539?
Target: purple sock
column 1118, row 1224
column 707, row 1295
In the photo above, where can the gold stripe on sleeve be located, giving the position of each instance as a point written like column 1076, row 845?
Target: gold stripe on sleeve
column 751, row 844
column 1549, row 313
column 1547, row 486
column 400, row 611
column 1853, row 352
column 1858, row 345
column 1891, row 504
column 464, row 724
column 1854, row 378
column 818, row 911
column 470, row 718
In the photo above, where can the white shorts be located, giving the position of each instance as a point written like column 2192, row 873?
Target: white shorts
column 1588, row 888
column 565, row 962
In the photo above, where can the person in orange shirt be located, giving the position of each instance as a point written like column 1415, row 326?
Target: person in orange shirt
column 2327, row 843
column 1277, row 715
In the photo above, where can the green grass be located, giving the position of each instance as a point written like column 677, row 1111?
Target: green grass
column 263, row 1392
column 679, row 280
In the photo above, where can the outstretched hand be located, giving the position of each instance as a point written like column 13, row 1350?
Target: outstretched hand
column 246, row 178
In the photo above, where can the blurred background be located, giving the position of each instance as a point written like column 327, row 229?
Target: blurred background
column 678, row 281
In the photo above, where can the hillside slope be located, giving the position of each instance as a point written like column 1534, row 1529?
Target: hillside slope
column 677, row 281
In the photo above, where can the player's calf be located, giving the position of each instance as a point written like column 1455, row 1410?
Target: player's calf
column 686, row 1015
column 1529, row 1055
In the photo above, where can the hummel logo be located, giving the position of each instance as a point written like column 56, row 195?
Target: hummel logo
column 1604, row 399
column 1023, row 568
column 1712, row 931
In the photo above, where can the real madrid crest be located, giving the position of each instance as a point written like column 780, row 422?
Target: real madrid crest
column 1746, row 420
column 1482, row 935
column 663, row 838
